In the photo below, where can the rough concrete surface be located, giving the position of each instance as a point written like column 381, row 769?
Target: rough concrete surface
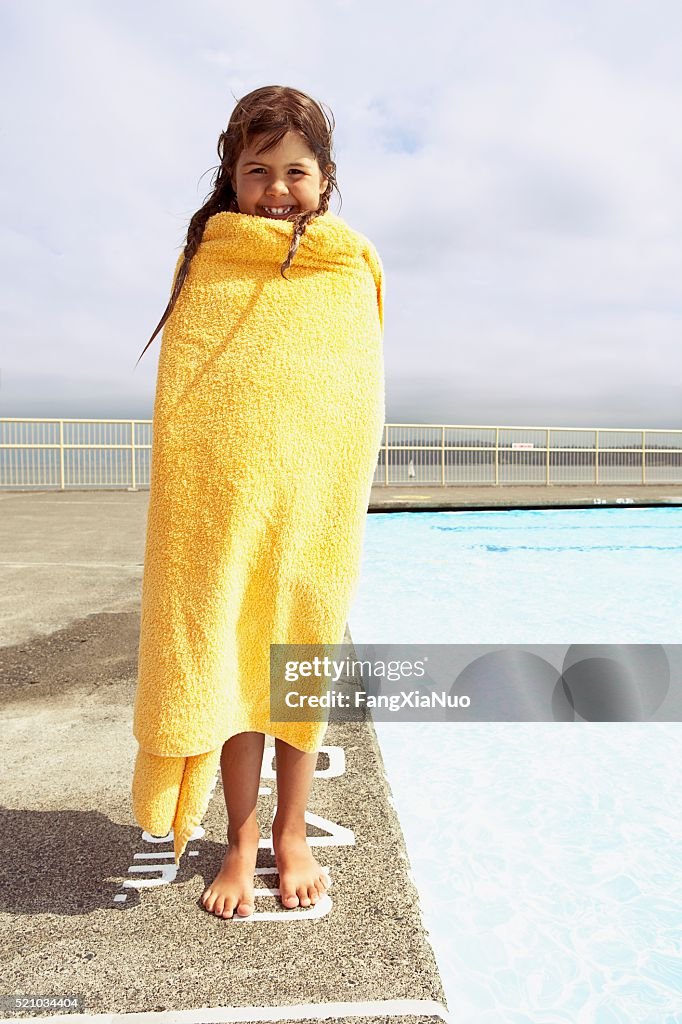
column 71, row 567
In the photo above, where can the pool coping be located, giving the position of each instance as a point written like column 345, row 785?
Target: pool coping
column 416, row 497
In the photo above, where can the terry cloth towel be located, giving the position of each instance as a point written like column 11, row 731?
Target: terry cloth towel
column 267, row 426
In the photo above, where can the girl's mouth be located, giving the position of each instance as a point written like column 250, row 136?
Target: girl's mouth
column 277, row 211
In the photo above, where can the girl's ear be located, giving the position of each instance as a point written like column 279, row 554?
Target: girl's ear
column 323, row 183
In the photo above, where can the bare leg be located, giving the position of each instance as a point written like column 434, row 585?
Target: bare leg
column 232, row 888
column 300, row 876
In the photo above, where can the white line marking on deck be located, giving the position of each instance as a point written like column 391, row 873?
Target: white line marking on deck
column 72, row 565
column 247, row 1014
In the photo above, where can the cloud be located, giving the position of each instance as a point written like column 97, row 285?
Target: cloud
column 516, row 167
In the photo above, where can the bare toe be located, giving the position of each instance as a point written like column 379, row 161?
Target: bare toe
column 302, row 880
column 232, row 889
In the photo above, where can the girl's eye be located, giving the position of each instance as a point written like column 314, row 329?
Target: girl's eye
column 296, row 170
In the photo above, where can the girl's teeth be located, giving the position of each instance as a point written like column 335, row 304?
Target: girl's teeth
column 277, row 209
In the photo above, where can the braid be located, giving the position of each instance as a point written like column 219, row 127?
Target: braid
column 300, row 226
column 195, row 233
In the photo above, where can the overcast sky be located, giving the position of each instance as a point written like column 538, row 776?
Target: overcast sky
column 517, row 165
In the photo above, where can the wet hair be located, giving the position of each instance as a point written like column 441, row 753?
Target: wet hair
column 271, row 112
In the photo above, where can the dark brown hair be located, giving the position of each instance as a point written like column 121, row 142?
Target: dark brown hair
column 270, row 111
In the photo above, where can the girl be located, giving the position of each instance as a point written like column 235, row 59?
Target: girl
column 268, row 418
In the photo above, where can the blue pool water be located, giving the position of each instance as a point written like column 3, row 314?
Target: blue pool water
column 547, row 855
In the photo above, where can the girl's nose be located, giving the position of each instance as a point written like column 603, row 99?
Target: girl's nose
column 277, row 187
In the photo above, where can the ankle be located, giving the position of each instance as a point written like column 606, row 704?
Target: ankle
column 289, row 826
column 245, row 836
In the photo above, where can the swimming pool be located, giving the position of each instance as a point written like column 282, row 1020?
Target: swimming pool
column 547, row 855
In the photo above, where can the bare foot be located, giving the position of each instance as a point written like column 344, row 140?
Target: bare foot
column 301, row 879
column 232, row 887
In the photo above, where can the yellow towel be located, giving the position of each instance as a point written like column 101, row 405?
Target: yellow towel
column 268, row 418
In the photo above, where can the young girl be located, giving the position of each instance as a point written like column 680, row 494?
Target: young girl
column 268, row 418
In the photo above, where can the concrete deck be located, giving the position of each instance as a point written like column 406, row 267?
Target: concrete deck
column 91, row 906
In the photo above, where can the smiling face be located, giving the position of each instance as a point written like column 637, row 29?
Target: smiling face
column 287, row 175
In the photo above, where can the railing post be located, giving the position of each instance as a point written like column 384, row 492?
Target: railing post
column 547, row 459
column 442, row 456
column 386, row 453
column 497, row 456
column 644, row 456
column 596, row 456
column 132, row 455
column 61, row 455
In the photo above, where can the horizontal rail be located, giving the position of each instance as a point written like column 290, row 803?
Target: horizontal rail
column 52, row 452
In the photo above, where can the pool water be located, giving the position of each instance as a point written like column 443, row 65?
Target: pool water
column 547, row 855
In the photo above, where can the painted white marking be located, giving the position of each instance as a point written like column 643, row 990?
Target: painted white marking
column 321, row 909
column 339, row 835
column 155, row 840
column 198, row 833
column 164, row 874
column 167, row 874
column 273, row 870
column 52, row 501
column 247, row 1014
column 154, row 855
column 73, row 565
column 336, row 767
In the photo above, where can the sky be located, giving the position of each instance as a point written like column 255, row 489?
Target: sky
column 517, row 167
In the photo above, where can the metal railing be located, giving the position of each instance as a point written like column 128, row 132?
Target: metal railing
column 44, row 453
